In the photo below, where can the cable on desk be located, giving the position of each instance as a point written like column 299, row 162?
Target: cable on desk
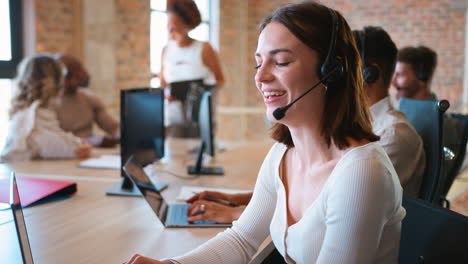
column 176, row 175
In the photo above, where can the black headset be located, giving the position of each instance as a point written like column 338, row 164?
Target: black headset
column 369, row 72
column 68, row 75
column 332, row 68
column 423, row 72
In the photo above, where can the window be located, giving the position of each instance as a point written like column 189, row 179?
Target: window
column 10, row 34
column 159, row 35
column 11, row 52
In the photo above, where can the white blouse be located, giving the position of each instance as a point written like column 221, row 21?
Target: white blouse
column 355, row 219
column 34, row 132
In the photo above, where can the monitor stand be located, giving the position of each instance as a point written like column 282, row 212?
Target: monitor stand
column 198, row 168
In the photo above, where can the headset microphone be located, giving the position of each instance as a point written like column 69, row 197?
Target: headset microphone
column 331, row 69
column 281, row 111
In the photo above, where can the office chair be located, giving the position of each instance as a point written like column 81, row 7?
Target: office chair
column 432, row 234
column 427, row 118
column 455, row 139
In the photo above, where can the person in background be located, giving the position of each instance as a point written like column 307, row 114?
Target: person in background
column 185, row 59
column 326, row 191
column 412, row 79
column 414, row 70
column 78, row 108
column 34, row 130
column 397, row 136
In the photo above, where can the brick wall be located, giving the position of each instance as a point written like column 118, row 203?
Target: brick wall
column 439, row 24
column 133, row 43
column 111, row 37
column 54, row 26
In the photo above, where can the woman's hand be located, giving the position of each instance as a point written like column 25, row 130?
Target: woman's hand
column 213, row 211
column 139, row 259
column 235, row 199
column 83, row 151
column 217, row 195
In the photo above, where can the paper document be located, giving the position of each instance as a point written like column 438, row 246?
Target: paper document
column 103, row 162
column 188, row 191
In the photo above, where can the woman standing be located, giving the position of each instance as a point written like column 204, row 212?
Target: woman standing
column 186, row 59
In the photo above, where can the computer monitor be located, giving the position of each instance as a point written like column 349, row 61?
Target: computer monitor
column 205, row 123
column 141, row 128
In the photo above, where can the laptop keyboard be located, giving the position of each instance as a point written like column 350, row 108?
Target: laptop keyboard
column 177, row 215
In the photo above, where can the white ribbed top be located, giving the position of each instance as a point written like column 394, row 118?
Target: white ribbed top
column 355, row 219
column 185, row 63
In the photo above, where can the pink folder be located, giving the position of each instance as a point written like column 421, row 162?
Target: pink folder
column 32, row 190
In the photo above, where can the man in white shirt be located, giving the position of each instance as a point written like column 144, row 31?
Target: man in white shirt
column 398, row 138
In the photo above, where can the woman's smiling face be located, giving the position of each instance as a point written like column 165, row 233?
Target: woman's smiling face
column 286, row 67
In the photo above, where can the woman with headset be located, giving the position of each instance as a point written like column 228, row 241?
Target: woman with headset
column 326, row 191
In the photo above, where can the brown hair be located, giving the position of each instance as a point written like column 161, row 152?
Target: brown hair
column 423, row 61
column 187, row 10
column 39, row 78
column 346, row 113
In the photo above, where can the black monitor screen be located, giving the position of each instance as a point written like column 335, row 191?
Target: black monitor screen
column 205, row 124
column 142, row 126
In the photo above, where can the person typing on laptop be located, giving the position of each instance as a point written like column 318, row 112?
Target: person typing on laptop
column 217, row 206
column 326, row 191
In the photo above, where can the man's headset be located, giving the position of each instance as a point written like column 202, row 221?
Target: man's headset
column 68, row 75
column 423, row 72
column 369, row 71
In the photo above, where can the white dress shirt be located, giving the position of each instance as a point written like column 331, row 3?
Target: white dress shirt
column 402, row 144
column 355, row 219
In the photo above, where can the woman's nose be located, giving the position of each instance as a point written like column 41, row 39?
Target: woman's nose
column 263, row 74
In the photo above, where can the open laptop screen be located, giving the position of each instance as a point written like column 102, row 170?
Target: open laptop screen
column 138, row 176
column 19, row 221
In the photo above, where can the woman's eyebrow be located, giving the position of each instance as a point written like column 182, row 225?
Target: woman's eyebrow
column 274, row 52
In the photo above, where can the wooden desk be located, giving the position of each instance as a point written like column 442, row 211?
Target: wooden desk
column 91, row 227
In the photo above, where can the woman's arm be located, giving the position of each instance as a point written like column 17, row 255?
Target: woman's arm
column 239, row 243
column 211, row 59
column 161, row 71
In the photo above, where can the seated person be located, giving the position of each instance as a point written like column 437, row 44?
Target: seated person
column 218, row 211
column 398, row 138
column 79, row 108
column 326, row 191
column 34, row 128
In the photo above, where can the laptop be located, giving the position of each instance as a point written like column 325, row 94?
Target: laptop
column 171, row 215
column 20, row 224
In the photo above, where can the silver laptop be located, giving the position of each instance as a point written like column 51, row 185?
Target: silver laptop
column 171, row 215
column 20, row 225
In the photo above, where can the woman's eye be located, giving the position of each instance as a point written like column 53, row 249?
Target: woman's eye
column 258, row 66
column 282, row 64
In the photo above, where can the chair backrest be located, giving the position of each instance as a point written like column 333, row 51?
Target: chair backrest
column 427, row 118
column 431, row 234
column 455, row 138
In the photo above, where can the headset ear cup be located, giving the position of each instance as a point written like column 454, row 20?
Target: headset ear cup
column 422, row 76
column 335, row 68
column 370, row 74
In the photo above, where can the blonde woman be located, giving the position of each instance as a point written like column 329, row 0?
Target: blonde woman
column 34, row 129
